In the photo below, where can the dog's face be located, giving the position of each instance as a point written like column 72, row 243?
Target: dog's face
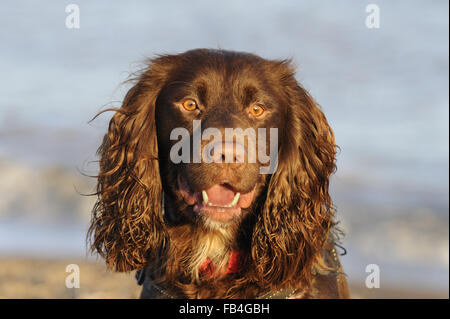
column 224, row 136
column 223, row 104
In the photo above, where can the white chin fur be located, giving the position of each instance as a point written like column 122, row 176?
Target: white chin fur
column 217, row 225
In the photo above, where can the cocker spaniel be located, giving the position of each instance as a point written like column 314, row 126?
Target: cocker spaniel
column 214, row 179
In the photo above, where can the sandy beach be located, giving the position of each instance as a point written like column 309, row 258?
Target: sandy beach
column 45, row 278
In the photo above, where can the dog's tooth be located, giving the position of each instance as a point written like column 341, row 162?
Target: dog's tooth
column 235, row 199
column 205, row 197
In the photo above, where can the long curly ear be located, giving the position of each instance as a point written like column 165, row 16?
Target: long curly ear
column 127, row 226
column 298, row 213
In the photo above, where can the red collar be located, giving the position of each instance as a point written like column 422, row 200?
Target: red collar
column 233, row 266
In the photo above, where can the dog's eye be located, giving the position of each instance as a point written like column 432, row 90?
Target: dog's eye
column 190, row 105
column 256, row 110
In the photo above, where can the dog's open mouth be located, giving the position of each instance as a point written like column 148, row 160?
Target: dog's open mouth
column 220, row 202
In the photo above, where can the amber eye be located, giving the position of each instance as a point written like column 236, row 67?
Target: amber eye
column 189, row 105
column 256, row 110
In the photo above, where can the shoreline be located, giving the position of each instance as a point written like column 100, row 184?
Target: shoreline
column 44, row 278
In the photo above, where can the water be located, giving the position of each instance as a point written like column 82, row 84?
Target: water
column 384, row 91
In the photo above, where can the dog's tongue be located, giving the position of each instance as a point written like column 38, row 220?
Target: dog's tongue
column 220, row 195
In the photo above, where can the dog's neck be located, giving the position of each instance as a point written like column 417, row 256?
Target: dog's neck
column 211, row 250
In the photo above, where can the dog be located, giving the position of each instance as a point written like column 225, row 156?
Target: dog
column 189, row 206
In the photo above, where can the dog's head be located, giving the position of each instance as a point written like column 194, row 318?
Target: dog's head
column 225, row 136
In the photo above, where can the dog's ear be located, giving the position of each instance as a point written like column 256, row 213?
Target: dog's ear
column 127, row 226
column 298, row 212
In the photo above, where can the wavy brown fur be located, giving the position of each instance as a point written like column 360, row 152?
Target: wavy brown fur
column 281, row 238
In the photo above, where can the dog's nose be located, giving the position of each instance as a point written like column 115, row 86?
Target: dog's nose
column 227, row 152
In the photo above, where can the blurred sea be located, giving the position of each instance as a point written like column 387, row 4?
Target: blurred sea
column 384, row 92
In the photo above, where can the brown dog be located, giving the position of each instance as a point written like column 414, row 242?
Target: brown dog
column 227, row 226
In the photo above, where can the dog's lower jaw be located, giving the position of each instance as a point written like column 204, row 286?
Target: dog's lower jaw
column 215, row 225
column 221, row 206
